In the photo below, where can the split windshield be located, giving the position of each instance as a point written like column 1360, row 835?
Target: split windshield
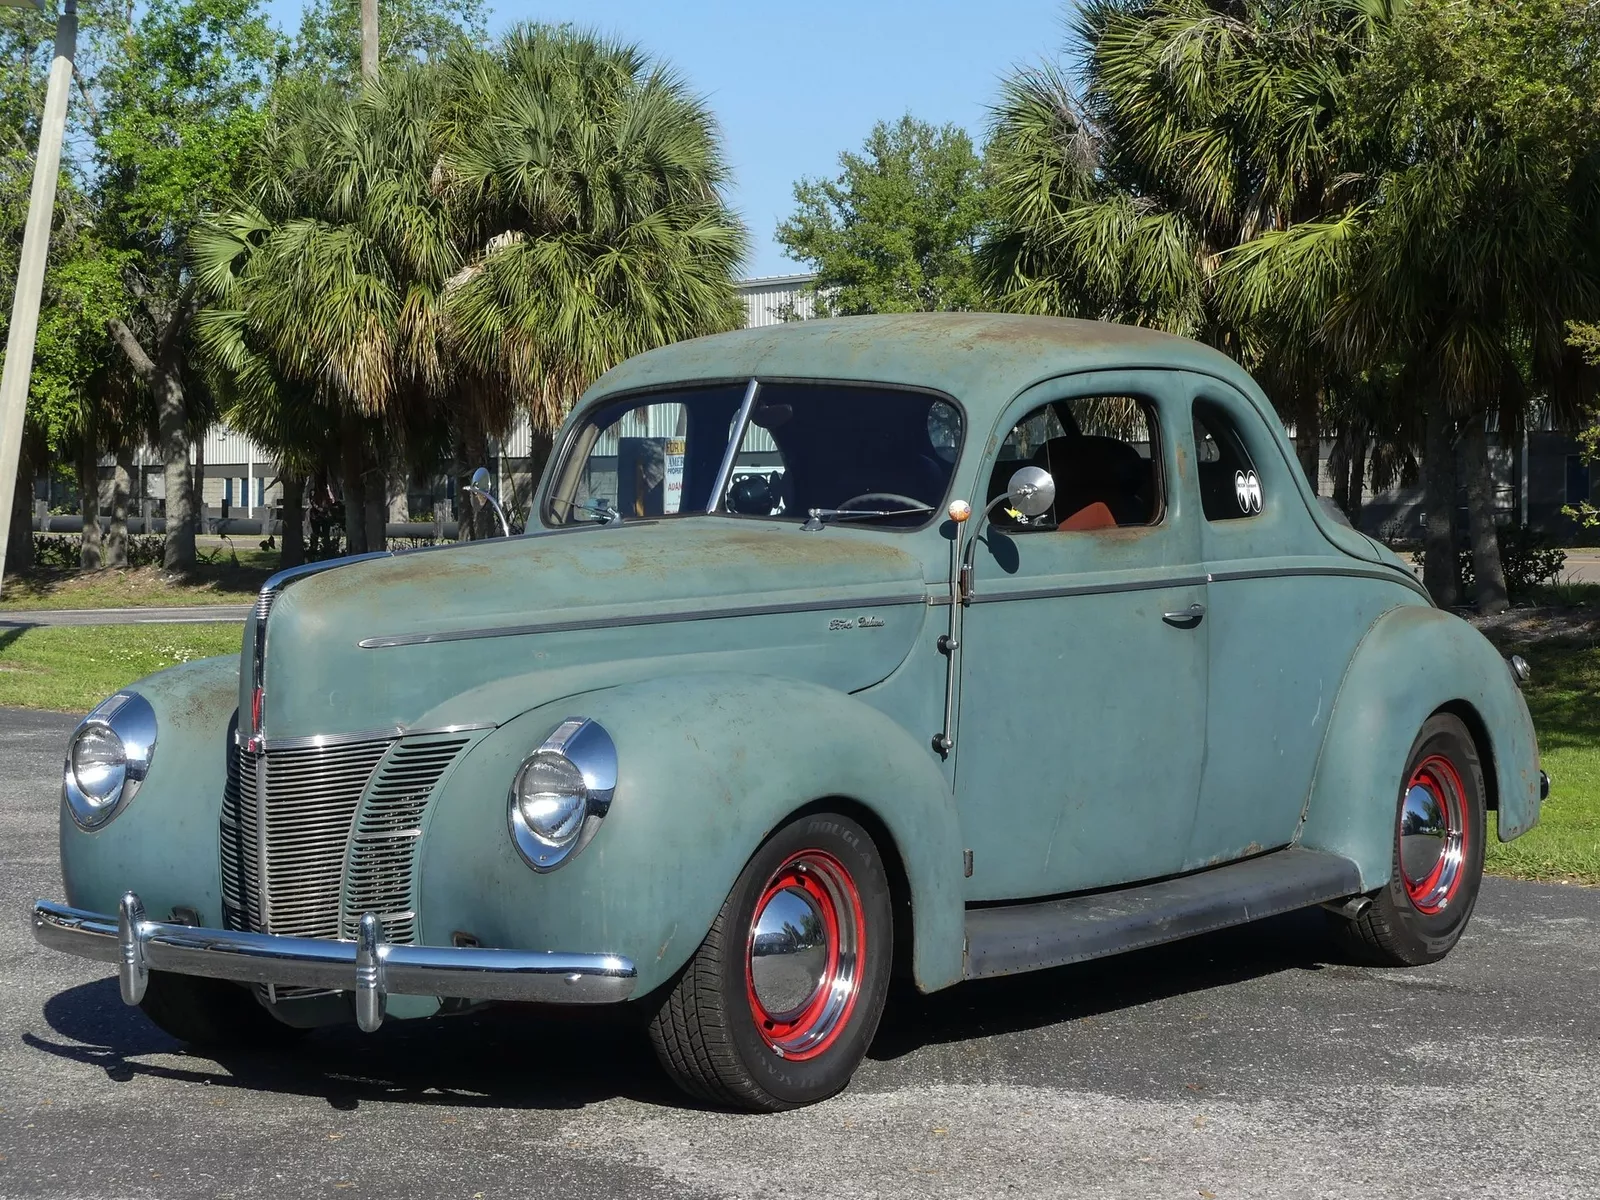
column 868, row 455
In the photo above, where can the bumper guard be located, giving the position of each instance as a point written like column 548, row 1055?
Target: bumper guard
column 368, row 966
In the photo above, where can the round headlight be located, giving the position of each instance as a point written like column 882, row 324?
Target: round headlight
column 561, row 793
column 552, row 798
column 108, row 758
column 99, row 763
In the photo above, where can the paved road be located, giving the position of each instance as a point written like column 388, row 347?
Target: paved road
column 1243, row 1065
column 186, row 614
column 1582, row 567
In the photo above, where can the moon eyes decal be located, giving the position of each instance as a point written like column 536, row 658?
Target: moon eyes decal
column 1247, row 488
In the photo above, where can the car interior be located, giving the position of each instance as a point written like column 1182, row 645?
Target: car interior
column 1098, row 452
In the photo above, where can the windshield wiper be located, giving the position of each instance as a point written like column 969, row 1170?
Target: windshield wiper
column 819, row 517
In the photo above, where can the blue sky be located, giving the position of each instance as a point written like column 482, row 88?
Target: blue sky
column 795, row 83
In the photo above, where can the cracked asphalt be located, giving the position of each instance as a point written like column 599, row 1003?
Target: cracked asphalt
column 1246, row 1064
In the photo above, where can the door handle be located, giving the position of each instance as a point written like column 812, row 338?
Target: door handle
column 1185, row 618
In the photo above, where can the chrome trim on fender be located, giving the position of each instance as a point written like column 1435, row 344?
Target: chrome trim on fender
column 1086, row 589
column 676, row 618
column 1376, row 571
column 371, row 970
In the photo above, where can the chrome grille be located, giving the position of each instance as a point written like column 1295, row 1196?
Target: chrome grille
column 380, row 869
column 312, row 837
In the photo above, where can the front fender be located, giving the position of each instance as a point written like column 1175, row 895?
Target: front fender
column 1411, row 663
column 163, row 845
column 708, row 766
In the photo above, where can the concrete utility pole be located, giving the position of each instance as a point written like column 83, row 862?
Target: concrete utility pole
column 30, row 267
column 369, row 40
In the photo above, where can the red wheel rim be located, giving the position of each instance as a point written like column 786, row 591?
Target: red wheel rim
column 1433, row 834
column 803, row 955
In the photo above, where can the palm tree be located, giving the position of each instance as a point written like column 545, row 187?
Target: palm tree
column 465, row 242
column 1201, row 125
column 1473, row 238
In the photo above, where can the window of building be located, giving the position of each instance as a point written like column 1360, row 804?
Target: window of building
column 227, row 489
column 1230, row 488
column 1100, row 452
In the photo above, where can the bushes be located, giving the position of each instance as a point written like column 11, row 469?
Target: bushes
column 59, row 551
column 1526, row 557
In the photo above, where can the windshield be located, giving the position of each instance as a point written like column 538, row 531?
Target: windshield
column 861, row 453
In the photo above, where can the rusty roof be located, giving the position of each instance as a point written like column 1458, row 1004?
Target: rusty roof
column 983, row 358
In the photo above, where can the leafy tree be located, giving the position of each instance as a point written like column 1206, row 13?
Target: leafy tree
column 327, row 47
column 1586, row 338
column 463, row 240
column 1473, row 131
column 1199, row 125
column 179, row 92
column 897, row 229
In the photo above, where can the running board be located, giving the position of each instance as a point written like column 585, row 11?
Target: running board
column 1005, row 939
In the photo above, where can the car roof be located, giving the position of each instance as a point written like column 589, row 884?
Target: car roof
column 980, row 358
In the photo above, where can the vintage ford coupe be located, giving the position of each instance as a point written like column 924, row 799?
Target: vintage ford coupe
column 939, row 646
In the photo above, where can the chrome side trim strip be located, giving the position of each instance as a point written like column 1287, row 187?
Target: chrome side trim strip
column 1387, row 574
column 137, row 946
column 1088, row 589
column 677, row 618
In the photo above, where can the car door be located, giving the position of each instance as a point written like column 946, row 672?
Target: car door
column 1286, row 610
column 1083, row 649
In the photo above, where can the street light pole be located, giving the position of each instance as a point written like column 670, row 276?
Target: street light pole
column 30, row 267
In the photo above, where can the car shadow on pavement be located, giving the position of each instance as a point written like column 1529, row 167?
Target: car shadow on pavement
column 525, row 1057
column 504, row 1057
column 1298, row 941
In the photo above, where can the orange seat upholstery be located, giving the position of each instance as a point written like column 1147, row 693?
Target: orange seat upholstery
column 1093, row 516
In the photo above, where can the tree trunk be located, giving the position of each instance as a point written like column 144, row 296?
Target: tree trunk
column 377, row 512
column 117, row 536
column 1441, row 572
column 19, row 541
column 353, row 468
column 1356, row 484
column 178, row 553
column 369, row 40
column 1339, row 469
column 1490, row 580
column 89, row 558
column 294, row 521
column 1308, row 435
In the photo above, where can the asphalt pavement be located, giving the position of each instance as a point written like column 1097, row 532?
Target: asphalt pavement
column 184, row 614
column 1246, row 1064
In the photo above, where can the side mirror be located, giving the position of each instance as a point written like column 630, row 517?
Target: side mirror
column 1031, row 491
column 481, row 488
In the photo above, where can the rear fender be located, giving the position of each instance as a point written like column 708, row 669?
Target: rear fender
column 1413, row 662
column 709, row 766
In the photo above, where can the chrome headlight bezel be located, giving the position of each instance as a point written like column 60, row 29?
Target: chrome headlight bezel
column 127, row 717
column 586, row 747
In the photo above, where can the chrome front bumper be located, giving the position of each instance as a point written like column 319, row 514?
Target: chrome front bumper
column 369, row 967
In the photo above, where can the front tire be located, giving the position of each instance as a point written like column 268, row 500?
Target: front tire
column 1440, row 827
column 212, row 1014
column 778, row 1005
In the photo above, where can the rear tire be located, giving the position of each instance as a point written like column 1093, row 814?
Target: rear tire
column 778, row 1005
column 1440, row 826
column 212, row 1013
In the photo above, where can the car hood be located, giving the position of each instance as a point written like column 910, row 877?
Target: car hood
column 485, row 630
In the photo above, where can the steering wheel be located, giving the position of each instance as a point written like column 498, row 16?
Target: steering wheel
column 896, row 497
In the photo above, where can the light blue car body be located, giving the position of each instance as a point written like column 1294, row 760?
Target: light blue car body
column 1095, row 744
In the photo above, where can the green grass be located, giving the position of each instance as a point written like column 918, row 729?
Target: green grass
column 71, row 668
column 142, row 587
column 1564, row 697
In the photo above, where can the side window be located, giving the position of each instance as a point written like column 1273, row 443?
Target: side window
column 1102, row 453
column 1230, row 489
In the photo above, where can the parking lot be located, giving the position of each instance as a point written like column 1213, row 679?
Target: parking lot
column 1250, row 1063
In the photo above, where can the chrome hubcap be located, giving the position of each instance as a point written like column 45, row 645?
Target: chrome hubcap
column 803, row 963
column 1433, row 837
column 788, row 953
